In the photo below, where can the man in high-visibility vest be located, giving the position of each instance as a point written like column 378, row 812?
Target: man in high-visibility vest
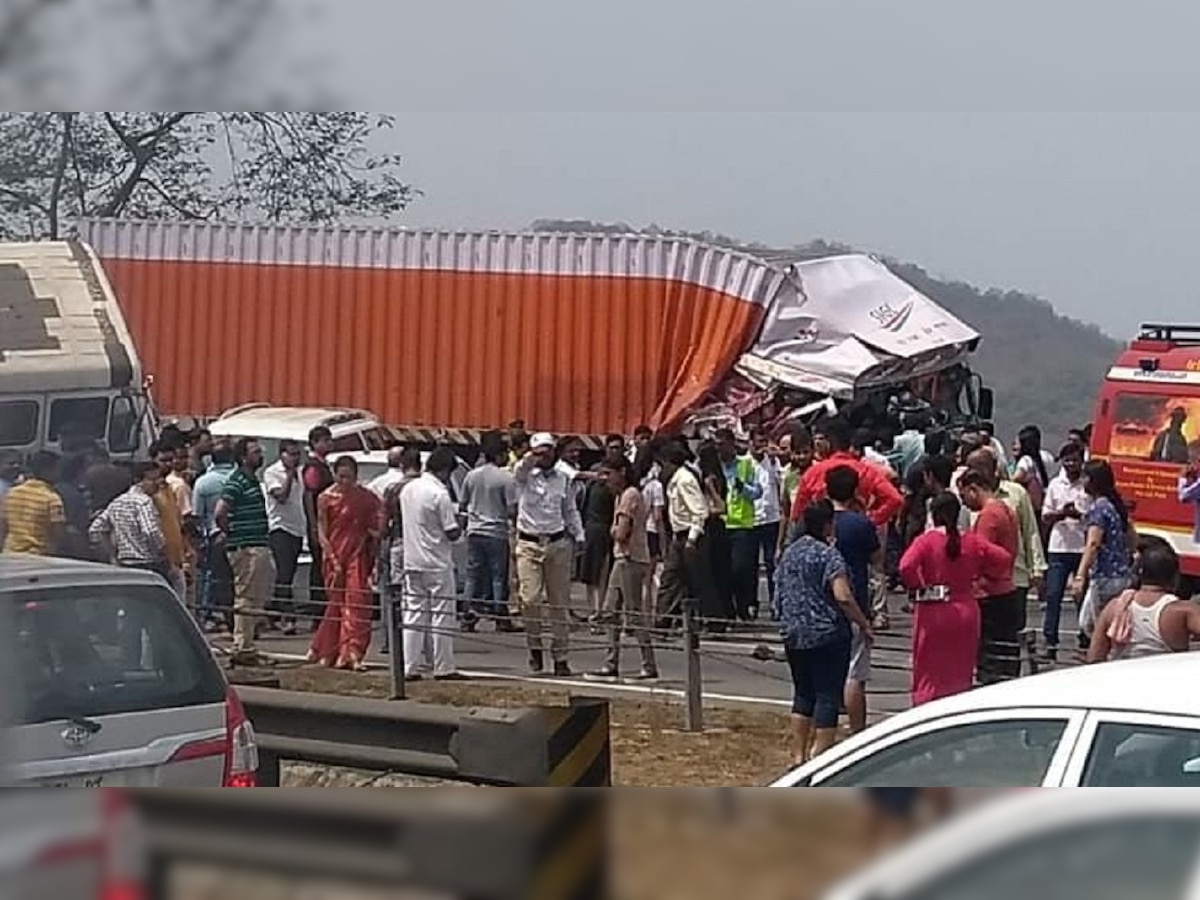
column 742, row 489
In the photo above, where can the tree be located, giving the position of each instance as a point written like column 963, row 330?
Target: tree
column 304, row 167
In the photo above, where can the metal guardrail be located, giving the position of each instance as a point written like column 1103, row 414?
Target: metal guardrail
column 486, row 845
column 520, row 747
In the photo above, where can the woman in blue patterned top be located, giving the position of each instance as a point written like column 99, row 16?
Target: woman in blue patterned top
column 1106, row 567
column 815, row 606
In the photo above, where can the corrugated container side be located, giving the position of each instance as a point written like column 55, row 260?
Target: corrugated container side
column 575, row 334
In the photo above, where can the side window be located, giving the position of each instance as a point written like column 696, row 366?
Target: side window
column 1143, row 756
column 377, row 439
column 123, row 425
column 1156, row 427
column 78, row 418
column 349, row 443
column 1010, row 753
column 18, row 422
column 1143, row 857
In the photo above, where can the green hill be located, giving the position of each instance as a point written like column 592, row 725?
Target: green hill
column 1045, row 368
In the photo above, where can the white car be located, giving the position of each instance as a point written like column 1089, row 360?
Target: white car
column 1134, row 723
column 1099, row 845
column 355, row 433
column 354, row 430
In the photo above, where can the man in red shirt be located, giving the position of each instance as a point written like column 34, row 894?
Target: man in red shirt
column 1002, row 604
column 879, row 497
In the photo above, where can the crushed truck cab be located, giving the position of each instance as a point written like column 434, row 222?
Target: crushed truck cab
column 69, row 373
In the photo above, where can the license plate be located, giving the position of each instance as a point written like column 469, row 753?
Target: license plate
column 79, row 781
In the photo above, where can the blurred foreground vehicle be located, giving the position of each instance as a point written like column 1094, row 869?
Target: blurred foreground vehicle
column 1119, row 724
column 1049, row 845
column 117, row 686
column 61, row 844
column 71, row 845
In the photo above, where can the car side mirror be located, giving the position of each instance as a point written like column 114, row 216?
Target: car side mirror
column 987, row 403
column 1192, row 767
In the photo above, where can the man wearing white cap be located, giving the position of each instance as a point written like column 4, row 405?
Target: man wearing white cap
column 547, row 525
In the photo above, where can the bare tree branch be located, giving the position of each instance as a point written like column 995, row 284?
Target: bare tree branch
column 80, row 187
column 172, row 202
column 277, row 167
column 142, row 149
column 27, row 198
column 60, row 171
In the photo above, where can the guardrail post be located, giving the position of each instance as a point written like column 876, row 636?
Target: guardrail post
column 158, row 878
column 691, row 649
column 394, row 625
column 270, row 769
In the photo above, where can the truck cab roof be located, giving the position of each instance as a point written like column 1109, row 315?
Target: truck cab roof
column 60, row 326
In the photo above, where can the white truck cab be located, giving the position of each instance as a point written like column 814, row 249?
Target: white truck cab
column 69, row 372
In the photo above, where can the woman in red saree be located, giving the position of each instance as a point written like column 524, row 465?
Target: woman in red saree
column 349, row 524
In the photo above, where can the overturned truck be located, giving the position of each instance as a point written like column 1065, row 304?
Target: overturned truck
column 445, row 334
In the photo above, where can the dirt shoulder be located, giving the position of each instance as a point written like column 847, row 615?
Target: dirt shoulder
column 740, row 746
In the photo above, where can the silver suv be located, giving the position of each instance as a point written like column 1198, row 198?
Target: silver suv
column 117, row 685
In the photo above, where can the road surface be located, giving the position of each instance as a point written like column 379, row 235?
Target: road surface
column 731, row 673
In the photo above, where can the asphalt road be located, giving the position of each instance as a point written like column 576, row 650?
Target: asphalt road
column 730, row 671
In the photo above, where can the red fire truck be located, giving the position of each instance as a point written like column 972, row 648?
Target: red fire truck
column 1148, row 426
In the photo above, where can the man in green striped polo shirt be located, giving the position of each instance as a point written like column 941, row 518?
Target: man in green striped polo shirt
column 242, row 520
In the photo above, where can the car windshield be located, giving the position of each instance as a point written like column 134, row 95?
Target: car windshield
column 94, row 651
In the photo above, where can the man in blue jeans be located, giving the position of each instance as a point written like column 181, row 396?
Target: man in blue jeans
column 488, row 502
column 1062, row 514
column 214, row 577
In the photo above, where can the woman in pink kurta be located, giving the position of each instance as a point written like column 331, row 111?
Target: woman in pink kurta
column 942, row 563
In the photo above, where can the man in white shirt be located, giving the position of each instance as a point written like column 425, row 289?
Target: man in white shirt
column 394, row 474
column 286, row 527
column 686, row 570
column 768, row 508
column 568, row 463
column 548, row 527
column 429, row 523
column 1062, row 512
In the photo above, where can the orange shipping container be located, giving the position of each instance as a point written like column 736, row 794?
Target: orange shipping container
column 450, row 330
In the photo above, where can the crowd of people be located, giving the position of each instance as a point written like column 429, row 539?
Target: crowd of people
column 977, row 536
column 831, row 517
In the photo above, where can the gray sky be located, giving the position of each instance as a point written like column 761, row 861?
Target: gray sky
column 520, row 109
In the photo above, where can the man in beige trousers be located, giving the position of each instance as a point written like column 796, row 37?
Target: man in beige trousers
column 241, row 517
column 548, row 527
